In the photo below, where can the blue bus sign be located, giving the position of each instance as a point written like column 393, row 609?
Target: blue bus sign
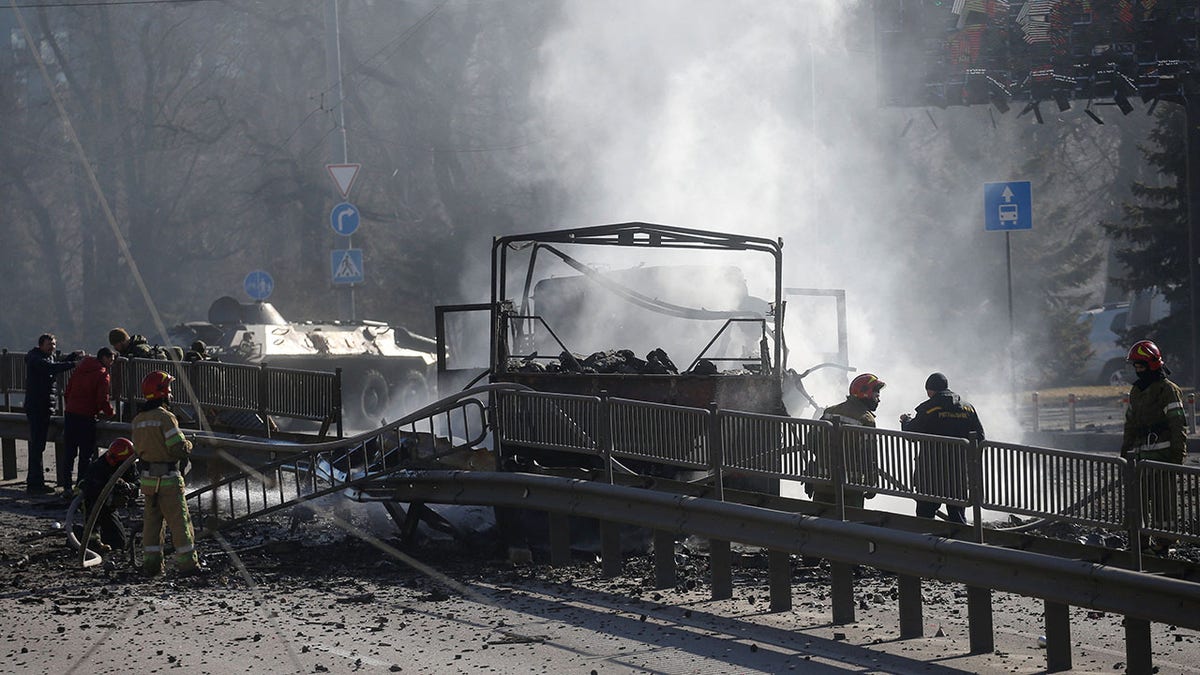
column 1007, row 206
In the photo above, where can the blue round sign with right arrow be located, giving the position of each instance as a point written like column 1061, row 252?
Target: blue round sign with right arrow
column 344, row 219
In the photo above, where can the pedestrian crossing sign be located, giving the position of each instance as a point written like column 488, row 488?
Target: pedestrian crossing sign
column 346, row 265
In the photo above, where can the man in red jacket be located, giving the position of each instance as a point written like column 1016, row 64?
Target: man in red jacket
column 87, row 398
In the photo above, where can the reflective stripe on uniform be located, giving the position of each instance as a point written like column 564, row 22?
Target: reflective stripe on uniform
column 185, row 549
column 146, row 423
column 1149, row 447
column 173, row 437
column 152, row 549
column 1173, row 405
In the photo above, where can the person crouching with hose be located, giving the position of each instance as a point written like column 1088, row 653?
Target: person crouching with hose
column 161, row 448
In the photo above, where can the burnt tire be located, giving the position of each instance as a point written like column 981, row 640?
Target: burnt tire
column 374, row 398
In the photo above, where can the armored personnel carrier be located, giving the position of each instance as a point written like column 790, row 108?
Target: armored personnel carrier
column 386, row 370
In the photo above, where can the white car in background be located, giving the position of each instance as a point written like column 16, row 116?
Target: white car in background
column 1107, row 364
column 1108, row 324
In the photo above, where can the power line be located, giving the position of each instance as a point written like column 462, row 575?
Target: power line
column 104, row 3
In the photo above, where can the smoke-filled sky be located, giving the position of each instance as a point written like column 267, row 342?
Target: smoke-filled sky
column 760, row 118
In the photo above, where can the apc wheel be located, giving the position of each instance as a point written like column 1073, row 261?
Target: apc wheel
column 411, row 392
column 374, row 397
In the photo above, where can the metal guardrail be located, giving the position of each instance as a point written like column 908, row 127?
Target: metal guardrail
column 1070, row 486
column 1043, row 483
column 1170, row 484
column 215, row 386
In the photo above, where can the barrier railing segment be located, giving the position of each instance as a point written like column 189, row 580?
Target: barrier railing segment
column 665, row 434
column 1170, row 500
column 1073, row 486
column 563, row 422
column 417, row 441
column 775, row 447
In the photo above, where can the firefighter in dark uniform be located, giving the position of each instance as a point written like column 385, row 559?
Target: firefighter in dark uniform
column 161, row 447
column 97, row 475
column 862, row 467
column 941, row 470
column 1156, row 430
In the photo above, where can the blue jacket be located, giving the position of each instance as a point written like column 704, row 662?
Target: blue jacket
column 40, row 371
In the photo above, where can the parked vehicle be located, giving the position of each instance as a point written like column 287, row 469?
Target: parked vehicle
column 386, row 370
column 1106, row 365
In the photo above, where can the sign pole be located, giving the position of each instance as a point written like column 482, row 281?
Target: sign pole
column 1009, row 206
column 333, row 60
column 1012, row 329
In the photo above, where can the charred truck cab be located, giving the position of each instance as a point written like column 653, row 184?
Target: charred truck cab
column 386, row 370
column 689, row 335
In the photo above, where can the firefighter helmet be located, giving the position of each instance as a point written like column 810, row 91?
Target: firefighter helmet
column 866, row 386
column 1146, row 353
column 156, row 385
column 119, row 451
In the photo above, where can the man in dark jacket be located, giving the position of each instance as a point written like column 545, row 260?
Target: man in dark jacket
column 942, row 470
column 130, row 347
column 87, row 397
column 40, row 370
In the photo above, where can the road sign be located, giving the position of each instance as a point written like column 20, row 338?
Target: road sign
column 346, row 265
column 1007, row 206
column 344, row 219
column 343, row 176
column 258, row 285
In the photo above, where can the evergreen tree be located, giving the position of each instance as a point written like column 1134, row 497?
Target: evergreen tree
column 1153, row 236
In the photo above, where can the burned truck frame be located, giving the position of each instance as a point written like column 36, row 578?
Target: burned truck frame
column 520, row 333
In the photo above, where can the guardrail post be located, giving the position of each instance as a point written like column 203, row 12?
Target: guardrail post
column 8, row 457
column 909, row 600
column 6, row 379
column 975, row 484
column 1133, row 512
column 560, row 539
column 610, row 533
column 720, row 560
column 1138, row 656
column 1070, row 412
column 1037, row 422
column 263, row 394
column 842, row 592
column 1058, row 637
column 979, row 599
column 664, row 559
column 779, row 571
column 337, row 401
column 841, row 574
column 979, row 616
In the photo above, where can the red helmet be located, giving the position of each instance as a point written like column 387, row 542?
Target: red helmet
column 119, row 451
column 1145, row 352
column 865, row 386
column 156, row 385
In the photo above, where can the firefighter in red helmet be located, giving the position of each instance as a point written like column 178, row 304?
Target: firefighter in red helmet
column 861, row 464
column 98, row 473
column 161, row 446
column 1156, row 430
